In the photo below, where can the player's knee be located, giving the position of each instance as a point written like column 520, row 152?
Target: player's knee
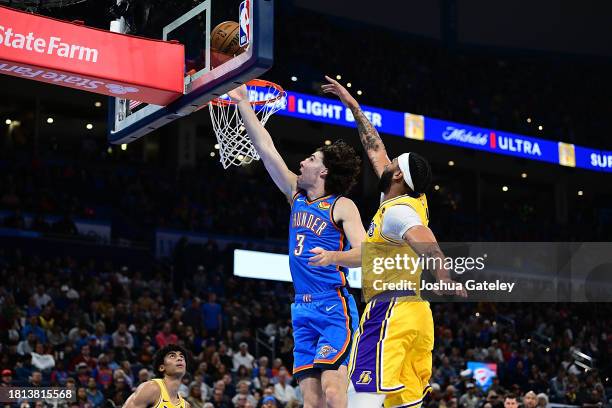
column 312, row 401
column 334, row 397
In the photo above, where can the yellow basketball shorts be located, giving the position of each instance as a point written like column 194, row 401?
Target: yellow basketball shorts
column 391, row 352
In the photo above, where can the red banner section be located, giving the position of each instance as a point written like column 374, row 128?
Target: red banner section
column 69, row 54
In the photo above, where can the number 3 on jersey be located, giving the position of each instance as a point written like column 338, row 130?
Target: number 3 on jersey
column 299, row 244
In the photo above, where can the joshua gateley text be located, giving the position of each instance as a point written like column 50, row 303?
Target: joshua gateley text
column 468, row 285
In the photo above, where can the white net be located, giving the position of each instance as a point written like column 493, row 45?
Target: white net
column 235, row 147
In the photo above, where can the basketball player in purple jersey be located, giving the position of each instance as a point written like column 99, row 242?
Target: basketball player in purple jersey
column 322, row 222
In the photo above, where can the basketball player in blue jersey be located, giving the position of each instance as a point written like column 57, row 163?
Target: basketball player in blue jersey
column 324, row 314
column 170, row 366
column 391, row 361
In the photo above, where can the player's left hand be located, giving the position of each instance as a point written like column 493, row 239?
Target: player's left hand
column 332, row 86
column 322, row 257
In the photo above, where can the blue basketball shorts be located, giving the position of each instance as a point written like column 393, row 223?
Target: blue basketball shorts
column 323, row 328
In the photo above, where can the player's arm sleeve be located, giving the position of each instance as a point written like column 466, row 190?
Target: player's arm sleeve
column 145, row 396
column 399, row 219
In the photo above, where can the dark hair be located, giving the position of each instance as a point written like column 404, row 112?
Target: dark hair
column 161, row 354
column 343, row 165
column 420, row 170
column 510, row 396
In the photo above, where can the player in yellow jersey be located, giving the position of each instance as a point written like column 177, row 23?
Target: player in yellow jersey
column 391, row 360
column 170, row 366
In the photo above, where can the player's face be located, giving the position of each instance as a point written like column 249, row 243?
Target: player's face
column 386, row 178
column 311, row 169
column 174, row 364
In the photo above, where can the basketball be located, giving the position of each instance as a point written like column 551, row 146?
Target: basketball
column 224, row 38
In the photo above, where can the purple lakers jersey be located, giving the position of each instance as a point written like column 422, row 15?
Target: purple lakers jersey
column 311, row 225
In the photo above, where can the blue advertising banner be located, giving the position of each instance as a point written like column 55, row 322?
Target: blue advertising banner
column 418, row 127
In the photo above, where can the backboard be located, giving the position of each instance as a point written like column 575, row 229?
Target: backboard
column 208, row 74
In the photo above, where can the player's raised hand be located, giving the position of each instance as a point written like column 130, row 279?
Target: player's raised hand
column 335, row 88
column 239, row 94
column 322, row 257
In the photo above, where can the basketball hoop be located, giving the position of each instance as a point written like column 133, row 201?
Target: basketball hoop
column 235, row 147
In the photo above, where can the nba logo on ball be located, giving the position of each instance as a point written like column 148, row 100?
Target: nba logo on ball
column 245, row 23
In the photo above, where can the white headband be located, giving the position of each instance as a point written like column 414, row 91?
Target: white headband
column 404, row 166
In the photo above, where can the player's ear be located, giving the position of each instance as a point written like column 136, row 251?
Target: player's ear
column 398, row 175
column 324, row 171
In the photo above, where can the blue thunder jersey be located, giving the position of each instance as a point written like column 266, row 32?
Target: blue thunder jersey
column 311, row 225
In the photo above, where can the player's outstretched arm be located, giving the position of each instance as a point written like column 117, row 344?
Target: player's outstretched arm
column 370, row 139
column 284, row 179
column 347, row 215
column 145, row 396
column 423, row 241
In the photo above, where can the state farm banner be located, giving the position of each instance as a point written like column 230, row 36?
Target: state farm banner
column 72, row 55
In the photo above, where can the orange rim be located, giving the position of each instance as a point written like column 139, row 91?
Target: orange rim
column 257, row 83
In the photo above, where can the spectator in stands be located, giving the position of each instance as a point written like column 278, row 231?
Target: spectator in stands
column 27, row 346
column 558, row 386
column 219, row 399
column 143, row 376
column 59, row 375
column 95, row 397
column 530, row 400
column 243, row 391
column 7, row 378
column 511, row 401
column 33, row 326
column 123, row 333
column 243, row 357
column 36, row 379
column 84, row 357
column 82, row 400
column 283, row 391
column 41, row 359
column 165, row 336
column 41, row 297
column 470, row 399
column 542, row 400
column 213, row 316
column 195, row 396
column 243, row 375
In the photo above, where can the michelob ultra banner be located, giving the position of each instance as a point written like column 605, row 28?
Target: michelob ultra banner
column 69, row 54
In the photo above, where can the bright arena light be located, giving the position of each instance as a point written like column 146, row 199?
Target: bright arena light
column 294, row 78
column 523, row 175
column 528, row 120
column 89, row 126
column 540, row 127
column 49, row 120
column 217, row 146
column 451, row 163
column 359, row 92
column 212, row 154
column 124, row 147
column 348, row 85
column 8, row 121
column 580, row 193
column 98, row 104
column 505, row 188
column 338, row 77
column 436, row 187
column 327, row 142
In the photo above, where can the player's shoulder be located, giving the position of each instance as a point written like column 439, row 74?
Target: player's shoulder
column 344, row 208
column 150, row 388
